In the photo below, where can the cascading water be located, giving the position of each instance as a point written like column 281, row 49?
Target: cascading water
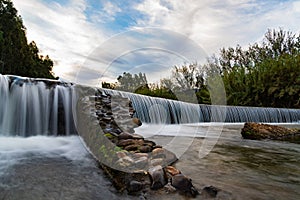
column 158, row 110
column 35, row 107
column 43, row 107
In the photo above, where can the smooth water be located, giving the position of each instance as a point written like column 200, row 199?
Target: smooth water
column 42, row 167
column 242, row 169
column 35, row 107
column 47, row 168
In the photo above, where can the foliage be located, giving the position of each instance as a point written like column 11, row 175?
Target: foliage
column 263, row 75
column 107, row 85
column 16, row 55
column 131, row 83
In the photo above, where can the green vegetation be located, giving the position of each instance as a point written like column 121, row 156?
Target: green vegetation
column 16, row 55
column 264, row 74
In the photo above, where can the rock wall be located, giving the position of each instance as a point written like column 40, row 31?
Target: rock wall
column 134, row 164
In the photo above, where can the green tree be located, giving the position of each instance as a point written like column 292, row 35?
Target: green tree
column 265, row 74
column 16, row 55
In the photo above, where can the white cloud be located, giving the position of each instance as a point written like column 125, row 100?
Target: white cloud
column 107, row 14
column 71, row 36
column 62, row 32
column 214, row 24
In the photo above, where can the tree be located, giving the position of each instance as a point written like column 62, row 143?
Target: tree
column 265, row 74
column 188, row 81
column 131, row 83
column 16, row 55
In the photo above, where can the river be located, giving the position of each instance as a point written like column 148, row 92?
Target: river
column 41, row 167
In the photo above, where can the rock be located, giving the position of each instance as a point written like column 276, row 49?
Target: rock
column 137, row 136
column 158, row 178
column 106, row 119
column 139, row 155
column 184, row 184
column 137, row 121
column 125, row 161
column 157, row 147
column 156, row 162
column 158, row 153
column 125, row 135
column 210, row 192
column 123, row 143
column 169, row 188
column 145, row 149
column 149, row 143
column 121, row 154
column 141, row 162
column 170, row 158
column 132, row 147
column 256, row 131
column 172, row 171
column 134, row 186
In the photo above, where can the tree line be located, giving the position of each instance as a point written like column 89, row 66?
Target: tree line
column 17, row 56
column 265, row 74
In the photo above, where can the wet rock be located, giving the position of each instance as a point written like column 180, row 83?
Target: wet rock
column 158, row 153
column 169, row 157
column 137, row 136
column 121, row 154
column 184, row 184
column 125, row 161
column 139, row 155
column 169, row 188
column 157, row 162
column 123, row 143
column 210, row 192
column 145, row 149
column 134, row 186
column 132, row 147
column 141, row 162
column 157, row 147
column 106, row 119
column 172, row 171
column 158, row 178
column 124, row 136
column 257, row 131
column 137, row 121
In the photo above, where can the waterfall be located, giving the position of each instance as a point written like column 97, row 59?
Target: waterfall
column 44, row 107
column 35, row 107
column 158, row 110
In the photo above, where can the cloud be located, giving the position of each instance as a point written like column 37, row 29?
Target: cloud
column 79, row 35
column 214, row 24
column 106, row 14
column 60, row 31
column 146, row 50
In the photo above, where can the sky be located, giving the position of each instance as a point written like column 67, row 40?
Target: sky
column 92, row 41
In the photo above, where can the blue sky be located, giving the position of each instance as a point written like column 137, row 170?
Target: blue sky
column 95, row 40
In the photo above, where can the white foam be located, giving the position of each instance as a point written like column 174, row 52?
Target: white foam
column 15, row 149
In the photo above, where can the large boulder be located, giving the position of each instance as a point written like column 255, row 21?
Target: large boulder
column 258, row 131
